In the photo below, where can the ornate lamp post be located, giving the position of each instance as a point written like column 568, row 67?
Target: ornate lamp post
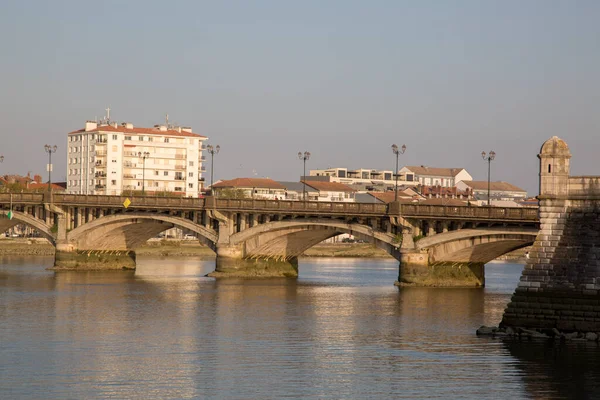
column 50, row 149
column 143, row 156
column 212, row 151
column 489, row 158
column 304, row 157
column 397, row 152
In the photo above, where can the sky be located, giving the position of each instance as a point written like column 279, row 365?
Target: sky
column 343, row 80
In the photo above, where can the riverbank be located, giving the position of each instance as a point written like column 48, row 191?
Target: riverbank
column 189, row 248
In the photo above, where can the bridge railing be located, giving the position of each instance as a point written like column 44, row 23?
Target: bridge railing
column 35, row 198
column 136, row 201
column 507, row 213
column 301, row 206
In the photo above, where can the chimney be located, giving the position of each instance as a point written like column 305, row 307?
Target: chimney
column 162, row 128
column 90, row 125
column 114, row 124
column 187, row 129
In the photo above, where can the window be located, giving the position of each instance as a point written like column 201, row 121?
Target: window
column 342, row 174
column 115, row 137
column 139, row 184
column 410, row 177
column 155, row 172
column 166, row 173
column 191, row 174
column 178, row 189
column 127, row 137
column 549, row 168
column 141, row 138
column 149, row 138
column 191, row 163
column 155, row 184
column 113, row 182
column 191, row 185
column 113, row 160
column 166, row 140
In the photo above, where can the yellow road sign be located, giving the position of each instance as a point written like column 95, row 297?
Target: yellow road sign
column 126, row 203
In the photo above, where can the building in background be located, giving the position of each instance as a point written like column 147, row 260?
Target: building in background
column 332, row 191
column 108, row 158
column 430, row 176
column 247, row 188
column 295, row 191
column 362, row 180
column 499, row 192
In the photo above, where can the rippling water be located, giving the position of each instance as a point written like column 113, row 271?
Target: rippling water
column 341, row 330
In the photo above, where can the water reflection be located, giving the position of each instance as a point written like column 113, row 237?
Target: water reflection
column 340, row 330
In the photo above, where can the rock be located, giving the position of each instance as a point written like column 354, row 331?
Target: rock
column 532, row 333
column 591, row 336
column 556, row 332
column 486, row 330
column 571, row 336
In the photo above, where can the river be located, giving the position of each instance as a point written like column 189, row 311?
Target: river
column 341, row 330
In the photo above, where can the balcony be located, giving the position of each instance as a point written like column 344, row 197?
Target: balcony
column 203, row 169
column 203, row 147
column 201, row 179
column 100, row 165
column 100, row 186
column 180, row 167
column 128, row 176
column 179, row 178
column 100, row 152
column 100, row 175
column 203, row 158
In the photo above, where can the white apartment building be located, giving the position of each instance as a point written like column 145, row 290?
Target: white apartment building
column 370, row 178
column 431, row 176
column 108, row 158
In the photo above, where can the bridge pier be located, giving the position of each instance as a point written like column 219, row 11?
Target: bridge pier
column 230, row 263
column 416, row 270
column 86, row 260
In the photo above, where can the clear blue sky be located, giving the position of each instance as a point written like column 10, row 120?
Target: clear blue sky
column 341, row 79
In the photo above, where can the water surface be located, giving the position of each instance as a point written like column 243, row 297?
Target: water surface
column 341, row 330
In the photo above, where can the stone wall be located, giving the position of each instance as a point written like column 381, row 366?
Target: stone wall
column 560, row 285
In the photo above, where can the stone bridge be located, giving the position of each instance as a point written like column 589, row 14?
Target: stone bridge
column 436, row 245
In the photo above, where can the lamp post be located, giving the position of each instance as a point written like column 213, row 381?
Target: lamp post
column 143, row 156
column 490, row 156
column 212, row 151
column 304, row 157
column 50, row 149
column 397, row 152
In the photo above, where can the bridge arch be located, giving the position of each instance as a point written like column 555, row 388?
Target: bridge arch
column 284, row 240
column 131, row 230
column 22, row 218
column 479, row 245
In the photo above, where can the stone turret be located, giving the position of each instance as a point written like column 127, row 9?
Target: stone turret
column 554, row 168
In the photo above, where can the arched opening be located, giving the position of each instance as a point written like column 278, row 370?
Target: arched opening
column 132, row 230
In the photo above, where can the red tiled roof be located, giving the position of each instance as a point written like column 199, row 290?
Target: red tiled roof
column 145, row 131
column 249, row 183
column 329, row 186
column 440, row 201
column 431, row 171
column 503, row 186
column 37, row 186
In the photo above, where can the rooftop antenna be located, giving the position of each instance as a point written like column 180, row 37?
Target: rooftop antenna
column 167, row 119
column 108, row 113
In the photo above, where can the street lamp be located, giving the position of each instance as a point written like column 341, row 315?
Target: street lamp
column 50, row 149
column 212, row 151
column 397, row 152
column 489, row 158
column 143, row 156
column 304, row 157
